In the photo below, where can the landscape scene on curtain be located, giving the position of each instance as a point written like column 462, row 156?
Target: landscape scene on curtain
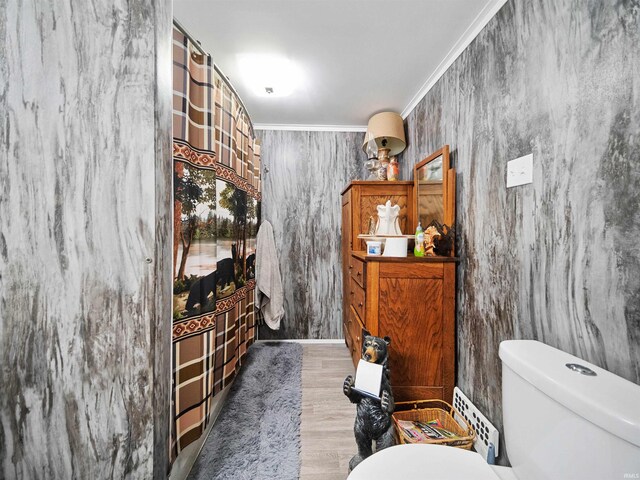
column 214, row 254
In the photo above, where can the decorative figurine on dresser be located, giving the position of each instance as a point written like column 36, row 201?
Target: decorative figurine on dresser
column 410, row 299
column 388, row 219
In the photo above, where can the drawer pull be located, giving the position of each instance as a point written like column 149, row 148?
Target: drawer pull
column 359, row 273
column 352, row 292
column 360, row 304
column 350, row 267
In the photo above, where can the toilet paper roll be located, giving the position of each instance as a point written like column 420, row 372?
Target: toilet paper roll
column 396, row 247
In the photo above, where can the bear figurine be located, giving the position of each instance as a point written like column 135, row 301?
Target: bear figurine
column 373, row 417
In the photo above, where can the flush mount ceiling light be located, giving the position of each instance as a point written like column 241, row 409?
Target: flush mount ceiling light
column 269, row 75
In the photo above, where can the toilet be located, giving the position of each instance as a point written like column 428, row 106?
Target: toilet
column 564, row 419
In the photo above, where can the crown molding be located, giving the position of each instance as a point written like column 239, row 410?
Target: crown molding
column 310, row 128
column 306, row 341
column 486, row 14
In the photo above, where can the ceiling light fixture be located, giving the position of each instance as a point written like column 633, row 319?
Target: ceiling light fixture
column 268, row 75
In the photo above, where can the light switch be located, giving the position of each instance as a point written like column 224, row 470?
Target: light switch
column 520, row 171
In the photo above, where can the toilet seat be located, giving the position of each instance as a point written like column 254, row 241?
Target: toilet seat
column 422, row 461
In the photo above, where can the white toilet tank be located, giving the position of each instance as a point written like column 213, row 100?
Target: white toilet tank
column 563, row 424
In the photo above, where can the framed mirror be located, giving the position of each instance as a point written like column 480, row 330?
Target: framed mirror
column 434, row 189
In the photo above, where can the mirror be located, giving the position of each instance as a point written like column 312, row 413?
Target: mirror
column 434, row 189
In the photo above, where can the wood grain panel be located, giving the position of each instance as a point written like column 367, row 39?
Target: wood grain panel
column 450, row 199
column 356, row 336
column 557, row 260
column 362, row 255
column 413, row 270
column 392, row 187
column 369, row 208
column 372, row 298
column 346, row 198
column 411, row 315
column 449, row 330
column 346, row 261
column 85, row 239
column 356, row 267
column 347, row 328
column 356, row 244
column 404, row 393
column 357, row 296
column 366, row 196
column 303, row 205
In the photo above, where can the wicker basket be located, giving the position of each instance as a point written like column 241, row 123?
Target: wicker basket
column 429, row 410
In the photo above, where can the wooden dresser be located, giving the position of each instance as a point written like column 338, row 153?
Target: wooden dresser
column 411, row 300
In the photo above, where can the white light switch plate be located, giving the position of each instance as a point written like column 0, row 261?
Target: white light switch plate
column 520, row 171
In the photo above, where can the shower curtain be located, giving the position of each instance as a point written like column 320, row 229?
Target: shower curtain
column 216, row 214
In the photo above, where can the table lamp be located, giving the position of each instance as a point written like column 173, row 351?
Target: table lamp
column 385, row 133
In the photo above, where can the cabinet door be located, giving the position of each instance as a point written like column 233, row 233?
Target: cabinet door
column 367, row 199
column 410, row 313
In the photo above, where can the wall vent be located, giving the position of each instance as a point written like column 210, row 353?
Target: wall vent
column 486, row 433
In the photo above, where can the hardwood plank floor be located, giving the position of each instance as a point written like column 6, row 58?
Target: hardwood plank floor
column 326, row 427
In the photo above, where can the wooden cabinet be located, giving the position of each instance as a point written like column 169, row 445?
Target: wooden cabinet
column 359, row 202
column 411, row 300
column 361, row 199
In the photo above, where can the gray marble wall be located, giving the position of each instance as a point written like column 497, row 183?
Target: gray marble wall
column 85, row 263
column 303, row 174
column 558, row 260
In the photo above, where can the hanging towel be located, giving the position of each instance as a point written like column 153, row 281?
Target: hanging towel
column 269, row 294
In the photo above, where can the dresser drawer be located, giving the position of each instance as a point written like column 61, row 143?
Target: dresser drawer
column 357, row 298
column 356, row 335
column 356, row 267
column 346, row 331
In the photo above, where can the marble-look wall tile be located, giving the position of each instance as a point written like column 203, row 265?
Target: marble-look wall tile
column 558, row 260
column 303, row 174
column 85, row 206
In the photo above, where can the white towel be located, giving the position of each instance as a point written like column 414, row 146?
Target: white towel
column 269, row 293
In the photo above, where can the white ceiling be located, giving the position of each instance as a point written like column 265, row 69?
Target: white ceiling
column 358, row 57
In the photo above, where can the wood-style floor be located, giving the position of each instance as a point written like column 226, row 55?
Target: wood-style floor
column 326, row 428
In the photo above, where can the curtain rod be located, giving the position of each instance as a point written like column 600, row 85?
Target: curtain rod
column 225, row 79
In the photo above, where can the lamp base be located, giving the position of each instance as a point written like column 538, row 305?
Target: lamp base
column 381, row 173
column 383, row 158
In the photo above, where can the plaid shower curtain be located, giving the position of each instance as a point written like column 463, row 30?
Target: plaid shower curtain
column 216, row 214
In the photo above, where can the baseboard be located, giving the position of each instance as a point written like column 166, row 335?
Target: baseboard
column 328, row 341
column 187, row 457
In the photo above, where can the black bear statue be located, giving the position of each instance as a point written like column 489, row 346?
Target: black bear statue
column 373, row 417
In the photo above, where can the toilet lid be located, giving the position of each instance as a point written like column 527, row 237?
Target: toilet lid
column 420, row 461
